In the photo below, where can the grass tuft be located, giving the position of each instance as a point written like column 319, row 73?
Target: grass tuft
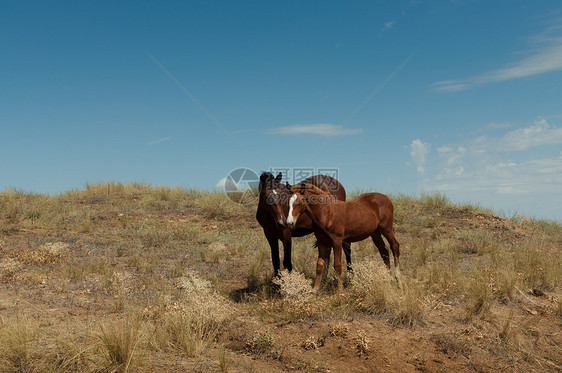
column 374, row 291
column 120, row 342
column 16, row 337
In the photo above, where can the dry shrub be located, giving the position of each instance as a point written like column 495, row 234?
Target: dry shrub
column 8, row 267
column 16, row 336
column 362, row 343
column 56, row 252
column 55, row 248
column 309, row 344
column 298, row 299
column 261, row 343
column 294, row 288
column 339, row 330
column 200, row 299
column 192, row 322
column 374, row 291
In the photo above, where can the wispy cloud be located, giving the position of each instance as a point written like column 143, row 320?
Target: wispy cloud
column 159, row 141
column 543, row 56
column 385, row 28
column 321, row 129
column 541, row 133
column 498, row 125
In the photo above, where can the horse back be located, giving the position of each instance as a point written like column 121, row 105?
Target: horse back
column 382, row 203
column 327, row 184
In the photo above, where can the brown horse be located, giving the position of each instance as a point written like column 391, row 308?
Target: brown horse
column 273, row 208
column 369, row 215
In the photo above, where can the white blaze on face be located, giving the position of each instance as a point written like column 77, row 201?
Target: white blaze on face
column 291, row 218
column 274, row 192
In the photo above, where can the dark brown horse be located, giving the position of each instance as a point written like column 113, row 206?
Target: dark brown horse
column 369, row 215
column 273, row 208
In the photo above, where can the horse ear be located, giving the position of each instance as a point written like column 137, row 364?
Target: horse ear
column 265, row 176
column 302, row 188
column 288, row 185
column 278, row 177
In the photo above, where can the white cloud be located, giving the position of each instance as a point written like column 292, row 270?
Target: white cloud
column 544, row 55
column 315, row 129
column 222, row 183
column 520, row 169
column 450, row 155
column 531, row 176
column 385, row 28
column 418, row 153
column 227, row 184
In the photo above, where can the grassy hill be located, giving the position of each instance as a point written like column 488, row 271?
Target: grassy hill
column 128, row 277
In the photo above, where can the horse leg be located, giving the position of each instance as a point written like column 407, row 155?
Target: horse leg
column 395, row 247
column 346, row 246
column 337, row 262
column 326, row 264
column 274, row 245
column 323, row 259
column 379, row 243
column 287, row 264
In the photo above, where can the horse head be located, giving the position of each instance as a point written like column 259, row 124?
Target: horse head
column 302, row 197
column 274, row 197
column 297, row 204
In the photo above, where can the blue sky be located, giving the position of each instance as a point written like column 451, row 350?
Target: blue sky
column 462, row 97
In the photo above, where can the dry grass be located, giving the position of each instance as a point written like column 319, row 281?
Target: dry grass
column 16, row 336
column 120, row 342
column 374, row 291
column 475, row 287
column 193, row 321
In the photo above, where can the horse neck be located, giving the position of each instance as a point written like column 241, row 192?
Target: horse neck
column 321, row 211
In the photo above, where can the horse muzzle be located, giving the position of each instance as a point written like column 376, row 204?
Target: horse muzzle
column 281, row 224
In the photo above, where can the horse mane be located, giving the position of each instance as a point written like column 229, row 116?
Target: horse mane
column 310, row 189
column 266, row 175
